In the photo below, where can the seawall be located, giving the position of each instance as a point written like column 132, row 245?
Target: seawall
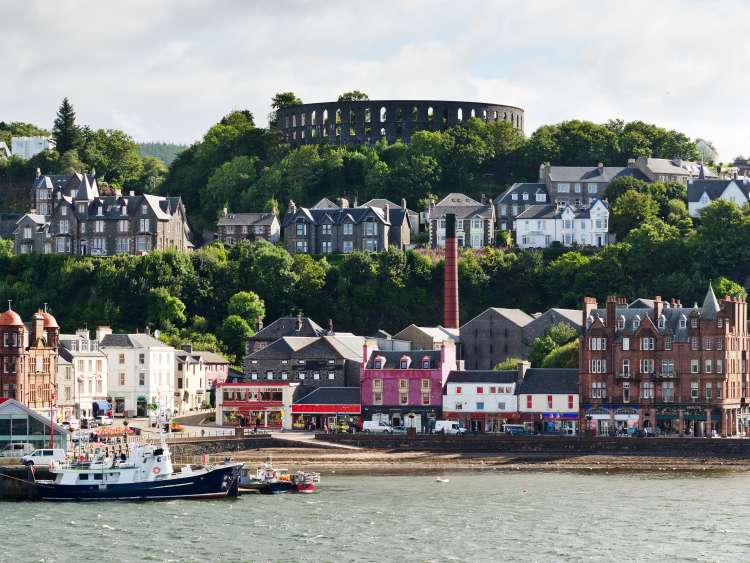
column 571, row 445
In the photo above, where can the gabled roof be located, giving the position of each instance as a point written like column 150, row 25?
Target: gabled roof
column 678, row 167
column 482, row 376
column 520, row 188
column 714, row 189
column 303, row 347
column 456, row 200
column 553, row 381
column 393, row 358
column 337, row 215
column 437, row 333
column 462, row 206
column 210, row 357
column 516, row 316
column 137, row 340
column 11, row 406
column 325, row 203
column 552, row 212
column 289, row 326
column 574, row 316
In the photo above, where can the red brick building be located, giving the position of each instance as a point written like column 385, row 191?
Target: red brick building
column 659, row 367
column 28, row 359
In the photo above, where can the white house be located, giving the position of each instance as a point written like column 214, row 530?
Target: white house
column 481, row 400
column 140, row 372
column 701, row 193
column 548, row 399
column 84, row 382
column 26, row 147
column 190, row 380
column 541, row 225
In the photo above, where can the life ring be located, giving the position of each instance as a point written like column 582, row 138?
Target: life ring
column 156, row 470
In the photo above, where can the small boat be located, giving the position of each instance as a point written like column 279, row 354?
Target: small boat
column 145, row 473
column 304, row 482
column 443, row 480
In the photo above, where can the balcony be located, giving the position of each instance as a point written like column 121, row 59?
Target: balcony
column 624, row 375
column 666, row 375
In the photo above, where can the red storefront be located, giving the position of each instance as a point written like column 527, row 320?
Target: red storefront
column 261, row 404
column 328, row 408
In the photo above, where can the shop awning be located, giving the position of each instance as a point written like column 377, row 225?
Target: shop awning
column 102, row 405
column 326, row 409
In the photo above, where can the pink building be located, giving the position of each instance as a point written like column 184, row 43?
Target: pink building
column 405, row 388
column 216, row 368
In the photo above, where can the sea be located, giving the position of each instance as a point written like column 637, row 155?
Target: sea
column 474, row 516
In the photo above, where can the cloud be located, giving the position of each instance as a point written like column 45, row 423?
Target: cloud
column 170, row 69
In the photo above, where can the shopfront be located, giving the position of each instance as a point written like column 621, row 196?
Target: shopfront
column 256, row 404
column 328, row 408
column 21, row 425
column 560, row 423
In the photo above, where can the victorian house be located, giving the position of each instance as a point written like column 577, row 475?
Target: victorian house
column 657, row 366
column 541, row 225
column 475, row 221
column 28, row 359
column 72, row 217
column 235, row 227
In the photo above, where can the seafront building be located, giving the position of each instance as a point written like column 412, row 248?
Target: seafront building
column 140, row 373
column 656, row 365
column 82, row 384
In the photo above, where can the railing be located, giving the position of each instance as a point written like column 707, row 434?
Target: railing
column 624, row 375
column 666, row 375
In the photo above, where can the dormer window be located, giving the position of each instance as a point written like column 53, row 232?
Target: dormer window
column 636, row 322
column 541, row 198
column 514, row 196
column 662, row 321
column 621, row 322
column 404, row 362
column 379, row 362
column 82, row 208
column 683, row 322
column 63, row 210
column 99, row 210
column 526, row 196
column 144, row 209
column 124, row 209
column 425, row 363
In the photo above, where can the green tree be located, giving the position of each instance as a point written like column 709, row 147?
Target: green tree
column 508, row 364
column 154, row 172
column 69, row 163
column 66, row 133
column 6, row 248
column 353, row 96
column 228, row 182
column 247, row 305
column 631, row 210
column 20, row 129
column 114, row 155
column 279, row 101
column 565, row 356
column 554, row 337
column 724, row 286
column 235, row 331
column 163, row 309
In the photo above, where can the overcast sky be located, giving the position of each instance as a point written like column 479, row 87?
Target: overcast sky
column 169, row 69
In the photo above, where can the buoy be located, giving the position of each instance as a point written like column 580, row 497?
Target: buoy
column 156, row 470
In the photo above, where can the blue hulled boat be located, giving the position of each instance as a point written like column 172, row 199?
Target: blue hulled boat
column 146, row 473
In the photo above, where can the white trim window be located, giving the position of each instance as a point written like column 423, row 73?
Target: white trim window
column 598, row 366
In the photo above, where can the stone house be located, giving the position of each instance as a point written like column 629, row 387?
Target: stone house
column 81, row 221
column 405, row 388
column 541, row 225
column 657, row 366
column 234, row 227
column 281, row 327
column 701, row 193
column 312, row 361
column 28, row 359
column 329, row 229
column 475, row 221
column 404, row 222
column 674, row 170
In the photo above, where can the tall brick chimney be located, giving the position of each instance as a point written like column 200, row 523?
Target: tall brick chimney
column 450, row 289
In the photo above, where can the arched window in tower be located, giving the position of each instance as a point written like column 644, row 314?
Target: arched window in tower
column 382, row 132
column 399, row 114
column 302, row 119
column 445, row 118
column 314, row 118
column 484, row 114
column 383, row 114
column 294, row 120
column 473, row 114
column 494, row 115
column 460, row 115
column 505, row 116
column 352, row 123
column 414, row 113
column 430, row 115
column 368, row 115
column 338, row 116
column 325, row 117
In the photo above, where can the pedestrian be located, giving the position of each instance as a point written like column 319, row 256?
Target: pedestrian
column 257, row 424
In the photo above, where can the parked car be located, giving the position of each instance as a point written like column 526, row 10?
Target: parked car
column 376, row 426
column 89, row 423
column 16, row 449
column 516, row 430
column 450, row 427
column 71, row 425
column 43, row 457
column 399, row 429
column 104, row 420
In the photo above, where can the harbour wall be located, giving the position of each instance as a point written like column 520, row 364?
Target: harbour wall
column 570, row 445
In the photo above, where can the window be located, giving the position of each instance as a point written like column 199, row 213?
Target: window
column 326, row 247
column 667, row 343
column 378, row 363
column 370, row 245
column 326, row 229
column 621, row 322
column 549, row 402
column 598, row 366
column 377, row 397
column 301, row 246
column 403, row 399
column 636, row 322
column 331, row 375
column 347, row 247
column 667, row 391
column 377, row 384
column 626, row 343
column 694, row 323
column 459, row 406
column 708, row 367
column 662, row 321
column 141, row 378
column 597, row 343
column 122, row 359
column 592, row 189
column 598, row 390
column 647, row 366
column 694, row 391
column 529, row 401
column 301, row 229
column 694, row 343
column 719, row 322
column 122, row 379
column 458, row 390
column 667, row 367
column 316, row 376
column 480, row 406
column 626, row 367
column 425, row 363
column 647, row 390
column 404, row 363
column 371, row 228
column 144, row 225
column 426, row 384
column 626, row 392
column 683, row 322
column 570, row 401
column 269, row 375
column 695, row 366
column 708, row 344
column 425, row 399
column 302, row 375
column 563, row 188
column 719, row 343
column 647, row 343
column 141, row 359
column 719, row 390
column 719, row 366
column 708, row 391
column 577, row 188
column 284, row 376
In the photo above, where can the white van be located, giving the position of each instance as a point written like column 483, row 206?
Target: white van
column 448, row 427
column 44, row 457
column 376, row 426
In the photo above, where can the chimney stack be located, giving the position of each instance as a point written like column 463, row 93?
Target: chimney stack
column 299, row 322
column 600, row 168
column 343, row 203
column 37, row 327
column 450, row 288
column 102, row 331
column 522, row 367
column 403, row 204
column 330, row 327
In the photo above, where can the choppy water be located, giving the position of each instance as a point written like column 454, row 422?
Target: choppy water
column 474, row 517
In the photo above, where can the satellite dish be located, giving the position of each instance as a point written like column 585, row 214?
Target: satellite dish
column 157, row 333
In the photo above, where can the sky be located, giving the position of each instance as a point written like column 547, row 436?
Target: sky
column 167, row 70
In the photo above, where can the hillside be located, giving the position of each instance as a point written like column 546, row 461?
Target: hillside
column 166, row 152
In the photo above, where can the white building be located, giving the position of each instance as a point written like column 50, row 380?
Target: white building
column 548, row 399
column 481, row 400
column 140, row 373
column 541, row 225
column 701, row 193
column 83, row 382
column 26, row 147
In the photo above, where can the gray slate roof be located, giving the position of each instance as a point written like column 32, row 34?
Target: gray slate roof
column 335, row 216
column 462, row 206
column 392, row 358
column 532, row 189
column 306, row 348
column 482, row 376
column 592, row 174
column 331, row 396
column 714, row 188
column 287, row 326
column 553, row 381
column 551, row 212
column 246, row 219
column 678, row 167
column 137, row 340
column 516, row 316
